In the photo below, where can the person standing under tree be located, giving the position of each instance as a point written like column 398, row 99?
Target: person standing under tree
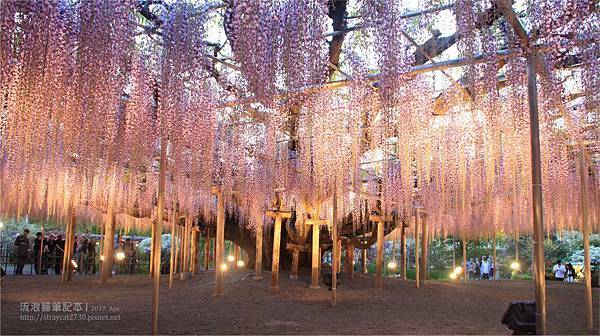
column 21, row 251
column 130, row 255
column 485, row 268
column 40, row 253
column 559, row 271
column 90, row 263
column 570, row 273
column 59, row 250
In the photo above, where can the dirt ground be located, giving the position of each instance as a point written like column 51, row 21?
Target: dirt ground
column 248, row 307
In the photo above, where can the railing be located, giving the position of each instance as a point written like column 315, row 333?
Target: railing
column 86, row 265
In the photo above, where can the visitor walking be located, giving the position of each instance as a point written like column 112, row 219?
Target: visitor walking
column 21, row 251
column 471, row 268
column 570, row 275
column 485, row 268
column 559, row 271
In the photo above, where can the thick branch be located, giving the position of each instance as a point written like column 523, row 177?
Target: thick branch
column 337, row 12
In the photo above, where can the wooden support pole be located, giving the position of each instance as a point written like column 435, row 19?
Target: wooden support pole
column 187, row 235
column 494, row 259
column 213, row 254
column 278, row 215
column 207, row 240
column 295, row 257
column 152, row 234
column 583, row 174
column 316, row 253
column 109, row 245
column 220, row 243
column 403, row 251
column 464, row 267
column 194, row 252
column 339, row 255
column 350, row 259
column 275, row 259
column 424, row 248
column 177, row 243
column 335, row 266
column 536, row 192
column 157, row 237
column 69, row 242
column 379, row 260
column 364, row 261
column 416, row 233
column 259, row 253
column 172, row 257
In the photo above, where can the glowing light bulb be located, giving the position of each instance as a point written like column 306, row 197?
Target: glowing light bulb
column 230, row 258
column 458, row 270
column 515, row 266
column 101, row 258
column 240, row 263
column 392, row 265
column 453, row 275
column 223, row 267
column 73, row 263
column 120, row 255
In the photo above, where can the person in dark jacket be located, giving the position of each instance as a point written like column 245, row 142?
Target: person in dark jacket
column 90, row 264
column 60, row 252
column 40, row 253
column 51, row 252
column 21, row 251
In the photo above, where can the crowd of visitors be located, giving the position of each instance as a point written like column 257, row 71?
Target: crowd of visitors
column 481, row 270
column 47, row 253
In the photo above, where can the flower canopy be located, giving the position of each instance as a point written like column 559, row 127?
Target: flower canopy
column 396, row 105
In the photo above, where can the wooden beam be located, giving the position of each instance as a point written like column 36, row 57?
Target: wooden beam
column 220, row 242
column 259, row 253
column 67, row 269
column 109, row 245
column 380, row 248
column 278, row 215
column 157, row 235
column 583, row 174
column 415, row 70
column 316, row 253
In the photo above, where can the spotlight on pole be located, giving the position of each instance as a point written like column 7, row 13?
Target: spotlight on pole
column 240, row 263
column 458, row 270
column 392, row 265
column 101, row 258
column 223, row 267
column 515, row 266
column 74, row 264
column 120, row 255
column 230, row 258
